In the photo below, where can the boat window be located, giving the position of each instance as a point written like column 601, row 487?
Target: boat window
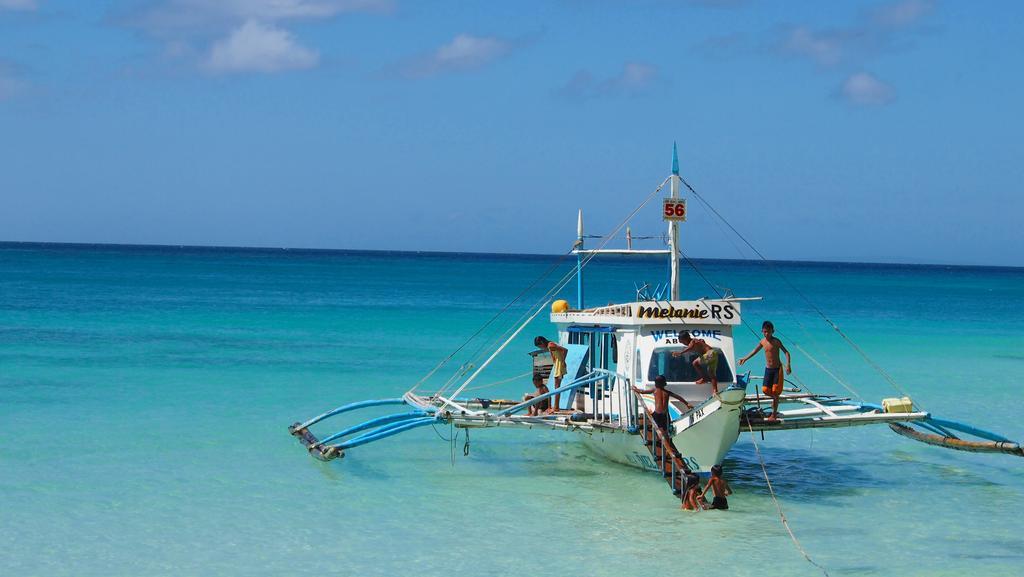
column 678, row 366
column 578, row 338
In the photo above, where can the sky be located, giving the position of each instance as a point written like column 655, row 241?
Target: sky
column 881, row 131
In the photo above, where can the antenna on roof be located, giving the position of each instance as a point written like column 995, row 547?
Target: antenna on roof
column 579, row 260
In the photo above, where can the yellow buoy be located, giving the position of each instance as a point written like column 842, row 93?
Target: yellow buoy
column 560, row 306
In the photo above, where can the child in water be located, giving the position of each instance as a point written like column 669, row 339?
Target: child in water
column 720, row 487
column 692, row 499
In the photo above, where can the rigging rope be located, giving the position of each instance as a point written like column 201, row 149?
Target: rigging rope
column 714, row 288
column 488, row 323
column 542, row 301
column 492, row 357
column 496, row 383
column 828, row 372
column 834, row 373
column 821, row 313
column 799, row 381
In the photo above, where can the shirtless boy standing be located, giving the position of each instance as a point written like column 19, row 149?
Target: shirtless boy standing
column 706, row 363
column 773, row 377
column 661, row 395
column 720, row 488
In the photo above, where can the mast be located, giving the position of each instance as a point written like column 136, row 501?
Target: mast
column 673, row 229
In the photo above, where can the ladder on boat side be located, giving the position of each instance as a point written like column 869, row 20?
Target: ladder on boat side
column 659, row 444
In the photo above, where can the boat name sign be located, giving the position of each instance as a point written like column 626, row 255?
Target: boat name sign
column 720, row 312
column 663, row 312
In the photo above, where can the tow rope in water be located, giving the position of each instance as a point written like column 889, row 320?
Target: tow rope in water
column 778, row 506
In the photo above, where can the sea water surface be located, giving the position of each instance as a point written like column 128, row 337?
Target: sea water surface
column 145, row 395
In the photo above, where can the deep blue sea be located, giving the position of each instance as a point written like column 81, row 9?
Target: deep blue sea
column 145, row 395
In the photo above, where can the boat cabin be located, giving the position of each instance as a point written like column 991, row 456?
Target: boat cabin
column 641, row 340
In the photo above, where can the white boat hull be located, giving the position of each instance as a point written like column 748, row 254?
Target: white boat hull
column 703, row 437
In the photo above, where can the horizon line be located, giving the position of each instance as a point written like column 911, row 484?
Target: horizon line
column 6, row 243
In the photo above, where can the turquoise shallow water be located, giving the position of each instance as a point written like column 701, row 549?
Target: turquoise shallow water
column 145, row 395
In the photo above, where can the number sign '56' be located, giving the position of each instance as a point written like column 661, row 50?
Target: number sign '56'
column 674, row 209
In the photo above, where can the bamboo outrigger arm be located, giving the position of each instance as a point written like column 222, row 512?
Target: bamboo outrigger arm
column 825, row 411
column 993, row 444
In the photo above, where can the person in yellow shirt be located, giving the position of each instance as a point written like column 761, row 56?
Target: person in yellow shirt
column 558, row 369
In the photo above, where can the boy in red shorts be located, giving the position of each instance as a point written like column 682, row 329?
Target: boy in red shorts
column 773, row 376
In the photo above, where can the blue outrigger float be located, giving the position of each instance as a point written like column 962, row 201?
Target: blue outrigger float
column 616, row 350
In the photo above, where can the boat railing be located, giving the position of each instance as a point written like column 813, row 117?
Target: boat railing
column 609, row 399
column 566, row 389
column 609, row 396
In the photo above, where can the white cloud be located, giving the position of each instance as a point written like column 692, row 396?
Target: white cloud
column 255, row 47
column 636, row 75
column 9, row 87
column 879, row 31
column 464, row 52
column 178, row 17
column 18, row 5
column 239, row 35
column 296, row 9
column 635, row 78
column 719, row 3
column 866, row 90
column 883, row 30
column 724, row 46
column 903, row 13
column 827, row 48
column 10, row 84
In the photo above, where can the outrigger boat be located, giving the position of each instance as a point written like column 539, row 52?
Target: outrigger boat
column 617, row 350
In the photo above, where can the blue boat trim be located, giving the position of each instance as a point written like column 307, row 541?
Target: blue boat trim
column 376, row 422
column 965, row 428
column 387, row 431
column 351, row 407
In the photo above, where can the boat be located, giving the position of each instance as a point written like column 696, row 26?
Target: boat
column 614, row 353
